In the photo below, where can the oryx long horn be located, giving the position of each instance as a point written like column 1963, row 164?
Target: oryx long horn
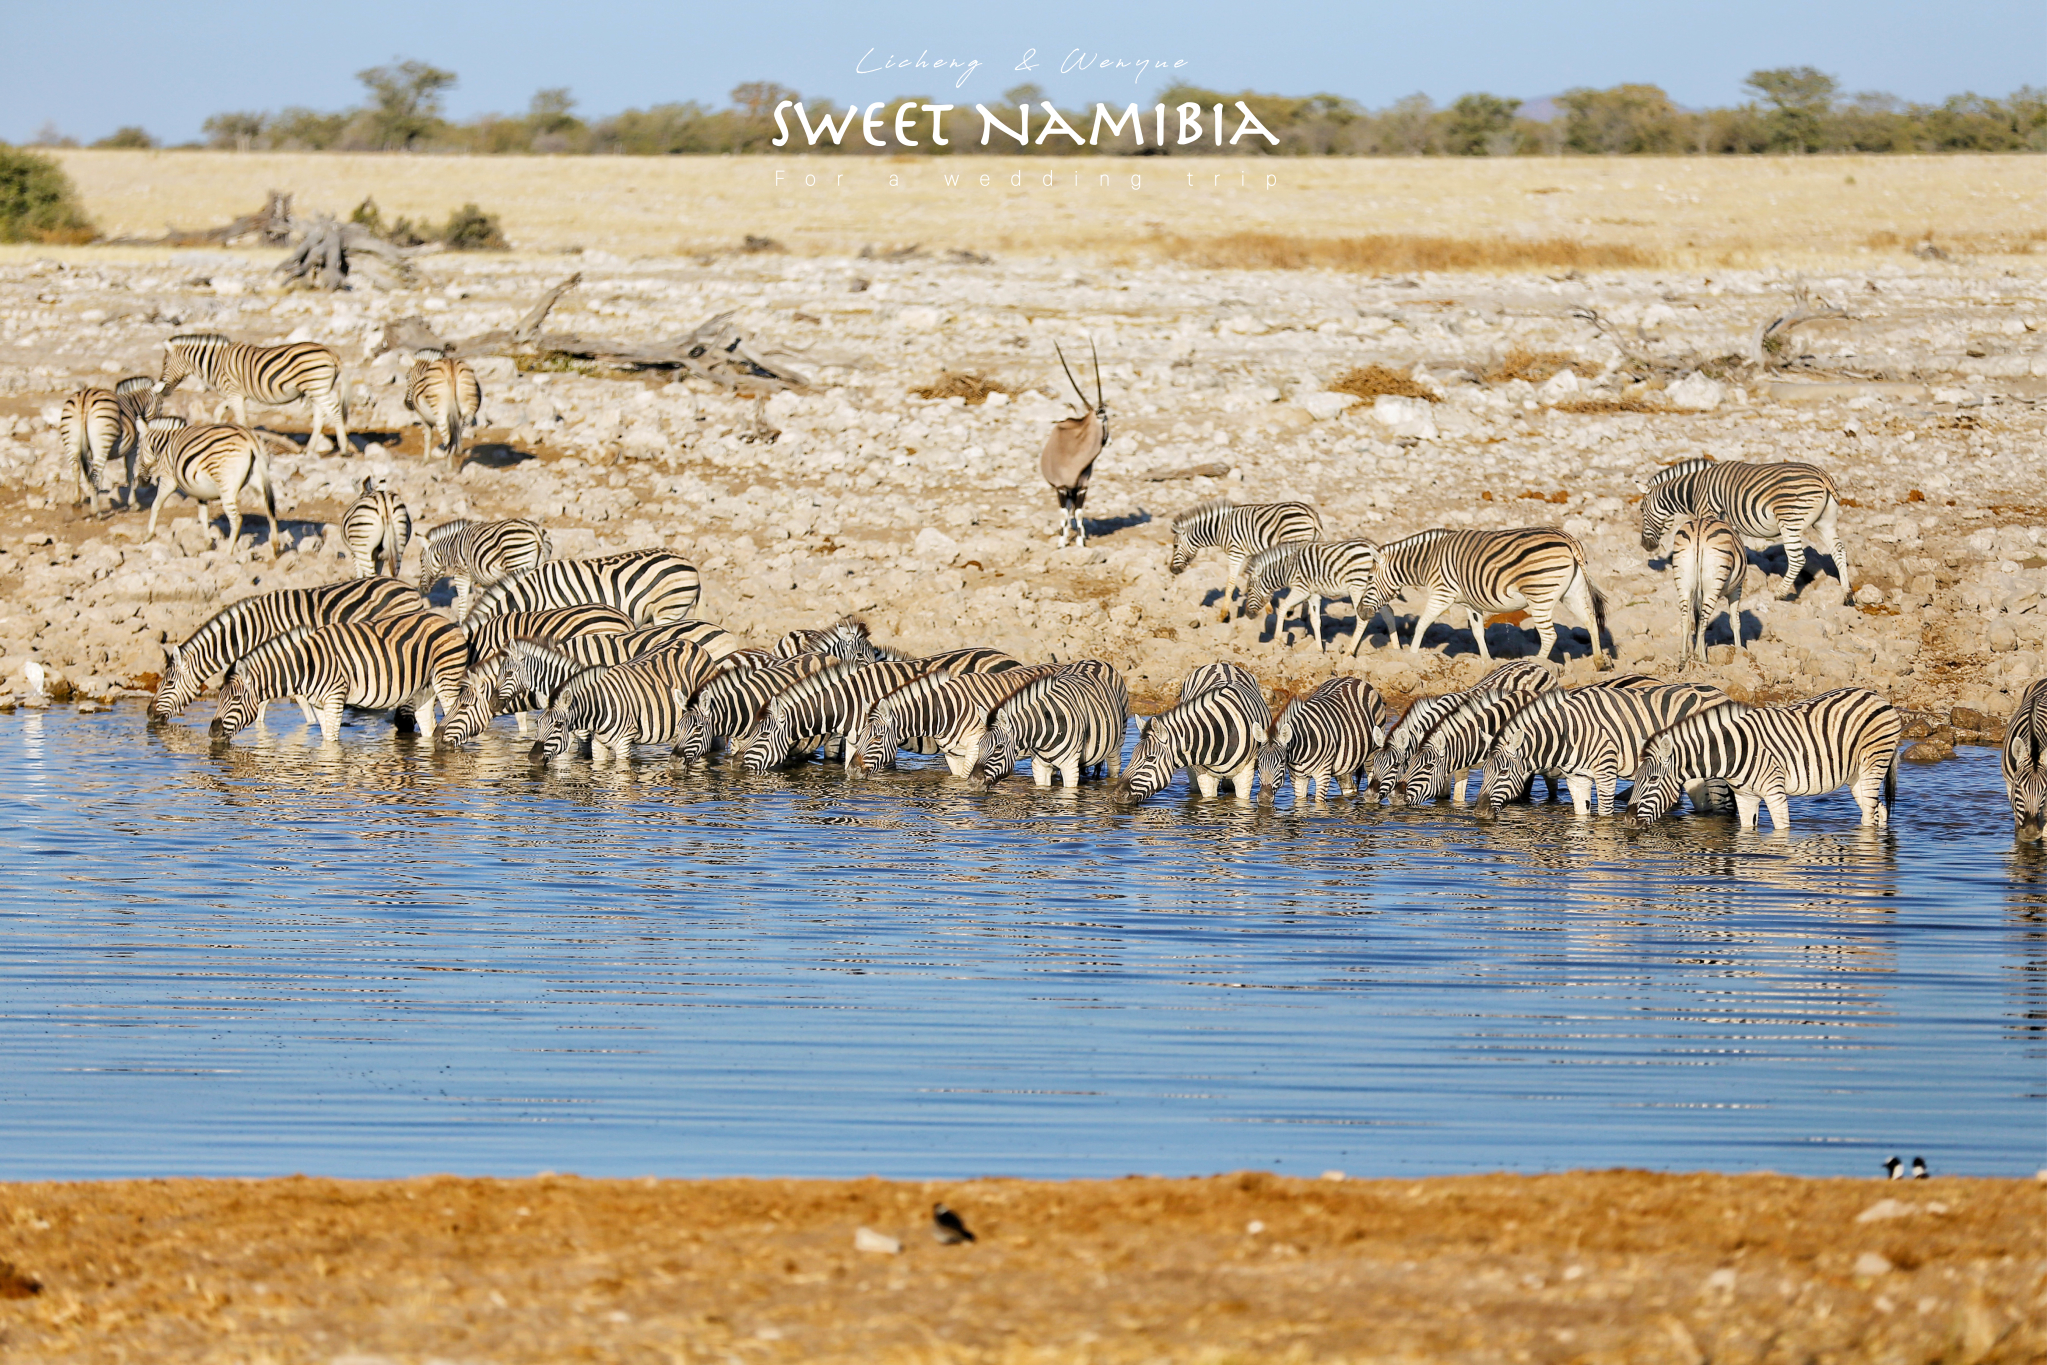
column 1098, row 372
column 1069, row 373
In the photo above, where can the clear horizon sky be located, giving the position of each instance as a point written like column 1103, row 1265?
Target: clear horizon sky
column 91, row 66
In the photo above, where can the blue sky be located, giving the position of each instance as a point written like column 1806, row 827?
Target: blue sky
column 93, row 65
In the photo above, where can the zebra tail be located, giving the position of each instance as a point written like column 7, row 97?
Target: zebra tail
column 269, row 490
column 1891, row 787
column 1598, row 612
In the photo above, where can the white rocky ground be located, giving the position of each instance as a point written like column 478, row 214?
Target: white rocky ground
column 929, row 518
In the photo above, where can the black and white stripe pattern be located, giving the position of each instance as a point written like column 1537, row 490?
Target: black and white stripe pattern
column 940, row 712
column 828, row 704
column 1767, row 754
column 240, row 627
column 410, row 662
column 137, row 399
column 1324, row 740
column 270, row 375
column 1066, row 722
column 376, row 528
column 478, row 554
column 727, row 705
column 1796, row 503
column 1239, row 532
column 1524, row 675
column 209, row 463
column 90, row 430
column 1215, row 734
column 2025, row 763
column 1531, row 569
column 846, row 638
column 654, row 587
column 1307, row 572
column 483, row 696
column 531, row 672
column 641, row 701
column 1589, row 739
column 443, row 396
column 1444, row 756
column 1710, row 565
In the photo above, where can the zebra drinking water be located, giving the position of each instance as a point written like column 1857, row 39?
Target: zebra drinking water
column 1215, row 735
column 1590, row 738
column 1769, row 753
column 2025, row 763
column 410, row 662
column 1324, row 740
column 941, row 710
column 1524, row 675
column 1066, row 722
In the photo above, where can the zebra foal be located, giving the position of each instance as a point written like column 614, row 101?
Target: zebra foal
column 208, row 464
column 1307, row 572
column 411, row 663
column 1324, row 740
column 1239, row 532
column 1531, row 569
column 479, row 554
column 271, row 375
column 1770, row 753
column 1788, row 502
column 444, row 397
column 1710, row 566
column 2025, row 763
column 376, row 528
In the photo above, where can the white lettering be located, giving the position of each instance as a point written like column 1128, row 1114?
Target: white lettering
column 782, row 124
column 989, row 123
column 1130, row 116
column 904, row 113
column 825, row 125
column 1056, row 123
column 868, row 123
column 937, row 112
column 1251, row 125
column 1190, row 123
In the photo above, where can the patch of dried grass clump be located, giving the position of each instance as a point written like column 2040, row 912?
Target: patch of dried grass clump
column 1394, row 253
column 1601, row 407
column 1534, row 366
column 974, row 388
column 1370, row 381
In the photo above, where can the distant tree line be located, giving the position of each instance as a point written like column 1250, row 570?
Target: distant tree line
column 1791, row 110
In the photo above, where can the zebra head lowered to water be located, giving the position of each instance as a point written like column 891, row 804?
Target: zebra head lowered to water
column 1068, row 460
column 2025, row 763
column 1589, row 739
column 1324, row 739
column 1847, row 737
column 1216, row 735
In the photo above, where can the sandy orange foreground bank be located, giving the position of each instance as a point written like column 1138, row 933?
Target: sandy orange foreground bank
column 1612, row 1266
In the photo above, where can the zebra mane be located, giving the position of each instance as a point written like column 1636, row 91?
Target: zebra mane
column 1027, row 696
column 1415, row 541
column 809, row 687
column 267, row 652
column 1712, row 718
column 197, row 338
column 1257, row 564
column 1541, row 705
column 447, row 531
column 1203, row 513
column 1671, row 473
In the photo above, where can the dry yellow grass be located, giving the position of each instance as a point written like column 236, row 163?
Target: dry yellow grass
column 1369, row 381
column 974, row 388
column 1534, row 366
column 1451, row 213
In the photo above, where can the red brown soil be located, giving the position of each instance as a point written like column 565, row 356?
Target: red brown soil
column 1592, row 1267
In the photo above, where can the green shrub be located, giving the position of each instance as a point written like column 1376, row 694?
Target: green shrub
column 471, row 229
column 128, row 136
column 38, row 202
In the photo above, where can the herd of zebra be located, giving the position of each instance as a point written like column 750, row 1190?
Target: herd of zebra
column 606, row 650
column 217, row 462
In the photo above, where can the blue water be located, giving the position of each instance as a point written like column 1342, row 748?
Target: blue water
column 371, row 960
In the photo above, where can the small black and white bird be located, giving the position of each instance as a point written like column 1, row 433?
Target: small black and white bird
column 1895, row 1168
column 1919, row 1168
column 946, row 1227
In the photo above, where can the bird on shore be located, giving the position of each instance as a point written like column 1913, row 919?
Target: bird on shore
column 947, row 1228
column 1068, row 460
column 1919, row 1168
column 1894, row 1168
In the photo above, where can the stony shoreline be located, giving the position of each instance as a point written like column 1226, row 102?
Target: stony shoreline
column 928, row 519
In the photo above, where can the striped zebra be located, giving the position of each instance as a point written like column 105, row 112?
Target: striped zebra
column 376, row 529
column 1307, row 572
column 1524, row 675
column 641, row 701
column 1459, row 741
column 271, row 375
column 136, row 397
column 479, row 554
column 725, row 707
column 1787, row 501
column 2025, row 763
column 1324, row 740
column 90, row 431
column 1235, row 677
column 482, row 699
column 1769, row 753
column 1214, row 734
column 846, row 638
column 410, row 663
column 654, row 587
column 208, row 464
column 240, row 627
column 1590, row 738
column 1239, row 532
column 830, row 703
column 1066, row 722
column 1531, row 569
column 941, row 712
column 443, row 397
column 1710, row 566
